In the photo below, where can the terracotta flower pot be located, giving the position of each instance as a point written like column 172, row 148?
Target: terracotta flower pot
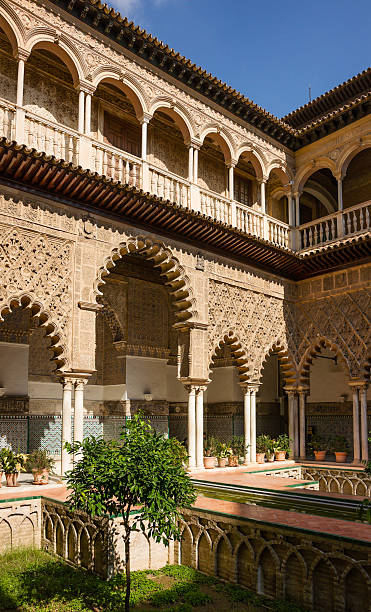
column 270, row 457
column 320, row 455
column 222, row 461
column 341, row 457
column 280, row 455
column 233, row 461
column 11, row 479
column 260, row 457
column 209, row 463
column 40, row 477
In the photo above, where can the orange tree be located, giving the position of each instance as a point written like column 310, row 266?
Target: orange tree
column 141, row 477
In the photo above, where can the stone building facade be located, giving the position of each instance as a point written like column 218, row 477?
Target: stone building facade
column 168, row 245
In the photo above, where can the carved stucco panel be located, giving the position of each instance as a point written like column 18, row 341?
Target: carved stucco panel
column 40, row 268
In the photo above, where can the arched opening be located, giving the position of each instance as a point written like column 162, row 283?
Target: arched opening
column 323, row 587
column 8, row 79
column 357, row 181
column 204, row 555
column 186, row 548
column 136, row 348
column 325, row 375
column 245, row 567
column 276, row 198
column 356, row 591
column 59, row 545
column 294, row 579
column 272, row 412
column 319, row 196
column 224, row 561
column 224, row 395
column 267, row 577
column 212, row 159
column 85, row 549
column 167, row 150
column 49, row 92
column 247, row 177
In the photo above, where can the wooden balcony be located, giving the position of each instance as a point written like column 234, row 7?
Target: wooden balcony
column 61, row 142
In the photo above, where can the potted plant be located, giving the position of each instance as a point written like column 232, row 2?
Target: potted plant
column 237, row 449
column 12, row 463
column 4, row 446
column 262, row 446
column 40, row 464
column 222, row 452
column 281, row 446
column 319, row 446
column 270, row 450
column 210, row 452
column 340, row 447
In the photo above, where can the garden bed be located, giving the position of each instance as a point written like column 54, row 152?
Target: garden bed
column 34, row 581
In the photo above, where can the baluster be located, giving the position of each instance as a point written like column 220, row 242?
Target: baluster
column 5, row 119
column 127, row 172
column 347, row 223
column 361, row 218
column 119, row 168
column 321, row 232
column 4, row 129
column 367, row 217
column 355, row 222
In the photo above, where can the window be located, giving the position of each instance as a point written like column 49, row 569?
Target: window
column 242, row 190
column 122, row 134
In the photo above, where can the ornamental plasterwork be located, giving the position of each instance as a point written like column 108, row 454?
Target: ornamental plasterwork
column 94, row 55
column 39, row 268
column 33, row 213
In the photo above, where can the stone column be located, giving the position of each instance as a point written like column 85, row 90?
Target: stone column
column 302, row 449
column 253, row 391
column 262, row 196
column 145, row 170
column 356, row 439
column 297, row 209
column 66, row 423
column 88, row 114
column 22, row 56
column 364, row 426
column 200, row 427
column 195, row 165
column 247, row 421
column 291, row 401
column 190, row 163
column 144, row 139
column 81, row 121
column 78, row 418
column 231, row 181
column 191, row 425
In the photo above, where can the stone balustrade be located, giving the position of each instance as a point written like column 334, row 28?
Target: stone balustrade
column 80, row 149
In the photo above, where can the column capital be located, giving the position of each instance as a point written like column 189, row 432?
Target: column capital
column 358, row 384
column 86, row 87
column 67, row 382
column 80, row 383
column 263, row 179
column 22, row 54
column 303, row 390
column 249, row 387
column 232, row 163
column 194, row 143
column 195, row 384
column 291, row 391
column 145, row 118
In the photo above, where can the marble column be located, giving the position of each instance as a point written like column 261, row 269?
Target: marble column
column 262, row 196
column 291, row 405
column 20, row 112
column 190, row 163
column 81, row 121
column 231, row 181
column 247, row 421
column 297, row 209
column 88, row 114
column 191, row 425
column 340, row 193
column 302, row 449
column 66, row 423
column 144, row 139
column 253, row 391
column 356, row 439
column 195, row 165
column 200, row 427
column 364, row 425
column 20, row 80
column 78, row 417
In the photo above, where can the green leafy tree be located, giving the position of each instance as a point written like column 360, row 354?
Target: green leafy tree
column 143, row 473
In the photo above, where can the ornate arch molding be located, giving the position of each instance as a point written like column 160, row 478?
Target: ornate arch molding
column 256, row 157
column 12, row 26
column 125, row 81
column 45, row 320
column 350, row 153
column 231, row 339
column 315, row 348
column 178, row 112
column 309, row 169
column 224, row 139
column 176, row 280
column 286, row 361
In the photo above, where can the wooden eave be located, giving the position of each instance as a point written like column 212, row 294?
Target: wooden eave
column 294, row 131
column 43, row 175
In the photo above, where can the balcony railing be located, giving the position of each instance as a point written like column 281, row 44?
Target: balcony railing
column 68, row 144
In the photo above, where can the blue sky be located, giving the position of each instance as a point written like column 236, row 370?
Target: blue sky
column 269, row 50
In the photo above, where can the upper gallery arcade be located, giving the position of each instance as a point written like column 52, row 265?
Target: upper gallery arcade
column 169, row 245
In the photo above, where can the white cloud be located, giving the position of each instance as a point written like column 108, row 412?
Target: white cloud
column 127, row 8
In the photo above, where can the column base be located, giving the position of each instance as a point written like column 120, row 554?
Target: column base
column 357, row 462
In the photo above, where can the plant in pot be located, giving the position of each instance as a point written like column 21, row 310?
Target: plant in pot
column 4, row 446
column 263, row 443
column 40, row 464
column 319, row 446
column 339, row 446
column 281, row 446
column 12, row 463
column 210, row 445
column 270, row 450
column 237, row 449
column 222, row 453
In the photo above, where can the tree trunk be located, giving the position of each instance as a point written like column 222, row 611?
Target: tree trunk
column 127, row 571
